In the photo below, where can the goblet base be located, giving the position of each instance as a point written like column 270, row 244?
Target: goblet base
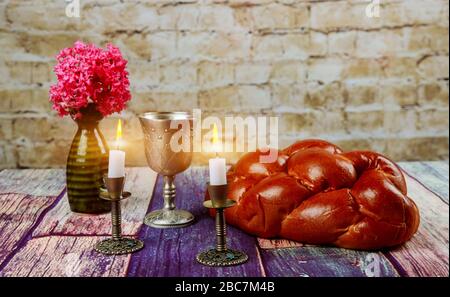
column 163, row 218
column 228, row 257
column 119, row 246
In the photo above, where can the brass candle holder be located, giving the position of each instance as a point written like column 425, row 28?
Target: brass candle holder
column 117, row 245
column 221, row 255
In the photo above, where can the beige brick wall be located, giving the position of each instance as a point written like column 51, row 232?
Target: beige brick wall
column 323, row 67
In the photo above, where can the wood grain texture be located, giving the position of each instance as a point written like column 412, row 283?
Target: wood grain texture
column 426, row 254
column 37, row 182
column 321, row 261
column 432, row 175
column 171, row 252
column 265, row 243
column 61, row 221
column 63, row 242
column 64, row 256
column 18, row 215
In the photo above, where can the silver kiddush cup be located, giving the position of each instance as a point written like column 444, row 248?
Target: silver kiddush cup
column 168, row 148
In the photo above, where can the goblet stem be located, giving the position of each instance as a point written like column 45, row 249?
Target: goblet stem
column 116, row 220
column 168, row 216
column 169, row 192
column 221, row 232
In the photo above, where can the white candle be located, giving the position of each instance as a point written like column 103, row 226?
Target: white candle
column 217, row 171
column 116, row 167
column 217, row 166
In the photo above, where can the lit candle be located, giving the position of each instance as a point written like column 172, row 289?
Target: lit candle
column 217, row 166
column 116, row 167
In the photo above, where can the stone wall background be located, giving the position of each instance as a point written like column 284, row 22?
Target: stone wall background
column 323, row 67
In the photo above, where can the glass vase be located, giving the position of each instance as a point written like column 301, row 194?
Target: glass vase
column 86, row 164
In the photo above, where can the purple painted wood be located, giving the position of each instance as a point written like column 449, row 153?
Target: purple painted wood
column 427, row 253
column 36, row 182
column 432, row 175
column 19, row 214
column 70, row 253
column 64, row 256
column 171, row 252
column 265, row 243
column 61, row 221
column 25, row 197
column 324, row 261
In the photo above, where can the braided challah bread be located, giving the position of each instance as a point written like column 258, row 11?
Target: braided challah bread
column 316, row 194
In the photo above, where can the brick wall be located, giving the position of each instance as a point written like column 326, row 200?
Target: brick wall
column 323, row 67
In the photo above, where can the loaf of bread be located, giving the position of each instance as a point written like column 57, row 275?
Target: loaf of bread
column 316, row 194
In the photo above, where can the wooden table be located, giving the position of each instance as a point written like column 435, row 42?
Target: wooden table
column 39, row 236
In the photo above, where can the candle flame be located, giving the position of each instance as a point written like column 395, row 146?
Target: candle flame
column 216, row 146
column 215, row 138
column 119, row 133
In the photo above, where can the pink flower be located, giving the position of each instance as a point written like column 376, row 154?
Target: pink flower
column 88, row 74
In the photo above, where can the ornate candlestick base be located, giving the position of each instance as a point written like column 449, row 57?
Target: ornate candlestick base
column 213, row 257
column 221, row 255
column 117, row 245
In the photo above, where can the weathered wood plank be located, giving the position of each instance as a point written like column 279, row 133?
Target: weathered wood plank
column 441, row 167
column 171, row 252
column 19, row 213
column 61, row 221
column 277, row 243
column 433, row 175
column 64, row 256
column 426, row 254
column 309, row 261
column 37, row 182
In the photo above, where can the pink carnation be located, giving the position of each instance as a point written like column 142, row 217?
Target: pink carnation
column 88, row 74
